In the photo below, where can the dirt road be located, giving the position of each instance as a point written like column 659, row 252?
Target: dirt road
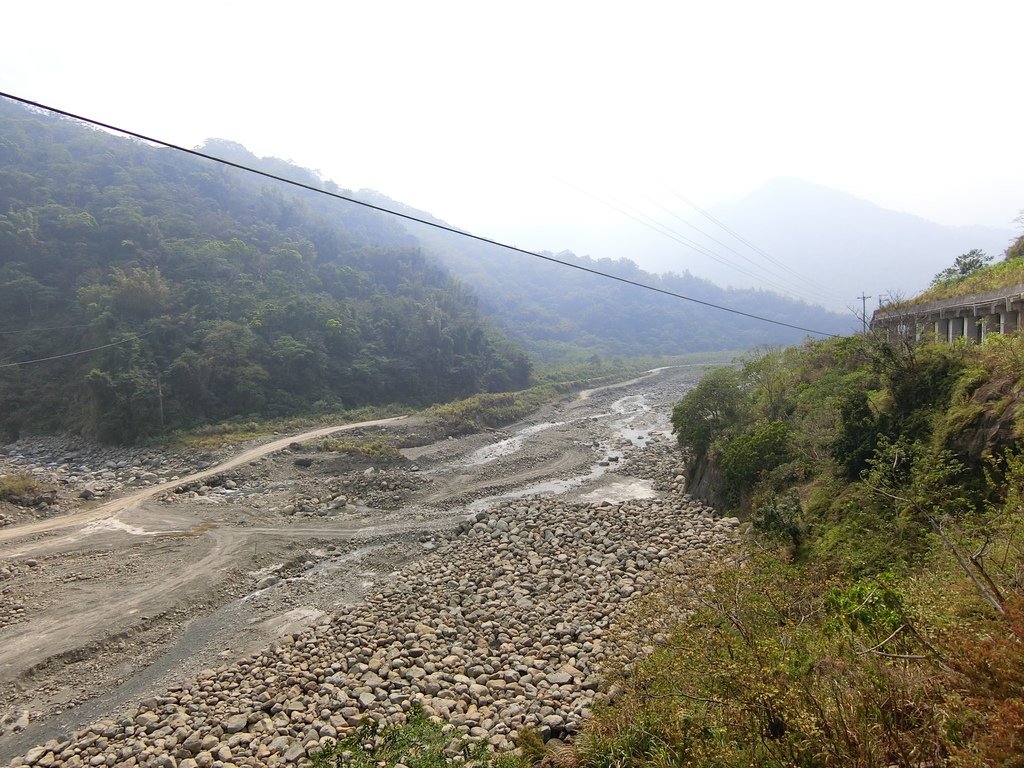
column 111, row 603
column 111, row 508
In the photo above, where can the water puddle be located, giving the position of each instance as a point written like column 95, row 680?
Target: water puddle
column 631, row 408
column 621, row 491
column 509, row 445
column 113, row 524
column 554, row 487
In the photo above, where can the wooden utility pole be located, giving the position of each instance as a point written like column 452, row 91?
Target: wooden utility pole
column 864, row 311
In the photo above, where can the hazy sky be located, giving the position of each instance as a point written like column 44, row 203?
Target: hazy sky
column 514, row 120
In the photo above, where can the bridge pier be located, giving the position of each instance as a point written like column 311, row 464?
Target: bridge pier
column 972, row 329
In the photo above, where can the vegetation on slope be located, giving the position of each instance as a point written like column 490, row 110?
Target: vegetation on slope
column 558, row 313
column 973, row 272
column 879, row 620
column 211, row 294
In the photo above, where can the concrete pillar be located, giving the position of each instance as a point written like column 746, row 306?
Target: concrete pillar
column 950, row 322
column 993, row 324
column 972, row 329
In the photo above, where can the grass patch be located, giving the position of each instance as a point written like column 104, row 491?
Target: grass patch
column 459, row 417
column 377, row 447
column 463, row 417
column 1003, row 274
column 18, row 486
column 212, row 436
column 472, row 414
column 421, row 742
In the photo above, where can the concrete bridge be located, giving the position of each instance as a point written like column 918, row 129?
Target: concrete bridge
column 973, row 316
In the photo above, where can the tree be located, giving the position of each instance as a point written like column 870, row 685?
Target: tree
column 964, row 265
column 708, row 410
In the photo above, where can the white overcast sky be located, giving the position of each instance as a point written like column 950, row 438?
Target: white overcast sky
column 508, row 119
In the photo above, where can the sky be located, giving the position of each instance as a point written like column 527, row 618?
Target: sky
column 537, row 122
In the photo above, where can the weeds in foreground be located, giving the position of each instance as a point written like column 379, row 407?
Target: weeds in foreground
column 421, row 742
column 775, row 665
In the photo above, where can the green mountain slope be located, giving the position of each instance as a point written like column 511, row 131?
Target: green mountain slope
column 220, row 294
column 553, row 310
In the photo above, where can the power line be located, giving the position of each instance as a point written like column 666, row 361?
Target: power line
column 78, row 352
column 408, row 217
column 50, row 328
column 795, row 288
column 664, row 230
column 749, row 244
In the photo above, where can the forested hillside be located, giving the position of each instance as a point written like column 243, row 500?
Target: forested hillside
column 554, row 311
column 211, row 293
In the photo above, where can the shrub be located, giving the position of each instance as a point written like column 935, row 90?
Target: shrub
column 708, row 410
column 761, row 447
column 753, row 678
column 418, row 743
column 17, row 487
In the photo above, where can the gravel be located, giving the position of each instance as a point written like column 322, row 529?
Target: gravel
column 503, row 627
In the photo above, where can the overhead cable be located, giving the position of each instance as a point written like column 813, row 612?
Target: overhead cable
column 133, row 337
column 666, row 231
column 48, row 328
column 810, row 285
column 406, row 216
column 749, row 244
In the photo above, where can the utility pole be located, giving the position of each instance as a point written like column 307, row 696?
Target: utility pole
column 864, row 310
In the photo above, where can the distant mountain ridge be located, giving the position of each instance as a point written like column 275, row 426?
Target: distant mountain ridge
column 550, row 309
column 850, row 244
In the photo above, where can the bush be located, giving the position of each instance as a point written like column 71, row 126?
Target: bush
column 419, row 743
column 708, row 410
column 376, row 447
column 753, row 678
column 759, row 448
column 780, row 519
column 16, row 488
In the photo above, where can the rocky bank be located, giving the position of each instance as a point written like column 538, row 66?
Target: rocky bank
column 503, row 627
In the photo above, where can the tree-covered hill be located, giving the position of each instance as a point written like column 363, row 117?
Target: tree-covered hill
column 552, row 310
column 210, row 292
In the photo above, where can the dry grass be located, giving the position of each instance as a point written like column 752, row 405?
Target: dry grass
column 14, row 487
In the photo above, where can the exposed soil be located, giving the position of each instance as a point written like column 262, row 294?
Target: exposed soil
column 103, row 603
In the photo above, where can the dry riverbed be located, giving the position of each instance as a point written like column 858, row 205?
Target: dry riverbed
column 365, row 574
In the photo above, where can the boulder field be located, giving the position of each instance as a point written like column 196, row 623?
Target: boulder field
column 503, row 627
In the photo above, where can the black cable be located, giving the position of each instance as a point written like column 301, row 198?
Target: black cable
column 750, row 245
column 78, row 352
column 656, row 226
column 50, row 328
column 444, row 227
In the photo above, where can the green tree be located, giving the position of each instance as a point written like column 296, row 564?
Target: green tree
column 708, row 410
column 965, row 264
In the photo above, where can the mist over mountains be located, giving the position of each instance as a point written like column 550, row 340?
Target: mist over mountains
column 206, row 293
column 837, row 244
column 553, row 310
